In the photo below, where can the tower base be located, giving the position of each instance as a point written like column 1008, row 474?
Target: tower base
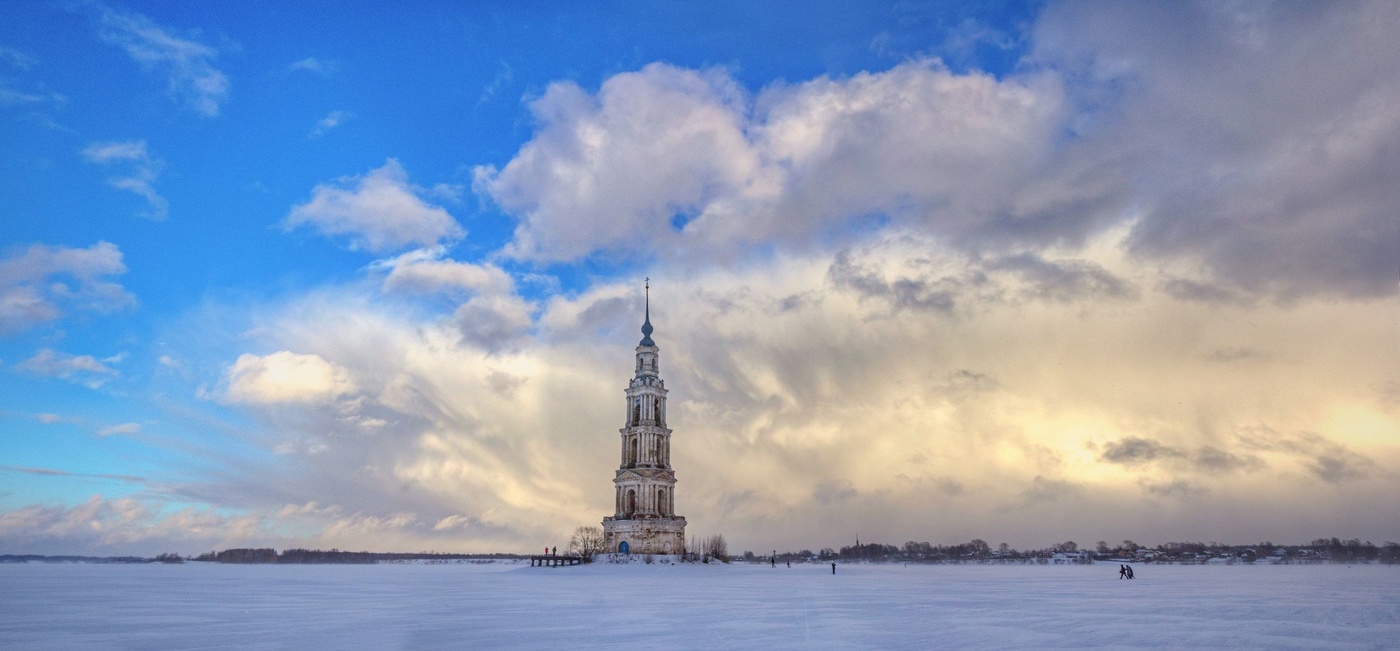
column 644, row 535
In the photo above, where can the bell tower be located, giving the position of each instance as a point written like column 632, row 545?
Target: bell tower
column 644, row 519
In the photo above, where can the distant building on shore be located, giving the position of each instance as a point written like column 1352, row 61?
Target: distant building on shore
column 644, row 520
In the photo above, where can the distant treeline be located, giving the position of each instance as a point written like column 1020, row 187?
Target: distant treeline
column 1321, row 550
column 332, row 556
column 39, row 558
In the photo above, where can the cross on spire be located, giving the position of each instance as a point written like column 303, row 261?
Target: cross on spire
column 646, row 325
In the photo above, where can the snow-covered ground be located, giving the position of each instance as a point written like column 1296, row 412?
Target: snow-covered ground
column 474, row 606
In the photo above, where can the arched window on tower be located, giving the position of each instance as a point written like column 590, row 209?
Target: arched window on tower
column 630, row 505
column 636, row 412
column 661, row 502
column 633, row 460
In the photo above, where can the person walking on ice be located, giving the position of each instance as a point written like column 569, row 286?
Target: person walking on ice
column 1122, row 571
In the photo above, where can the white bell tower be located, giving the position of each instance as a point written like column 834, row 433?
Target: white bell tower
column 644, row 519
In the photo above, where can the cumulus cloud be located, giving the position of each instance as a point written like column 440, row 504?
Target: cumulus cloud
column 187, row 64
column 493, row 317
column 141, row 172
column 285, row 377
column 428, row 270
column 40, row 282
column 79, row 369
column 1117, row 118
column 379, row 212
column 671, row 157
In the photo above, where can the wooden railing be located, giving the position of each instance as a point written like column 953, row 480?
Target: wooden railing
column 551, row 560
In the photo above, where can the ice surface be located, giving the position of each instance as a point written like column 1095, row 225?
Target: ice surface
column 205, row 606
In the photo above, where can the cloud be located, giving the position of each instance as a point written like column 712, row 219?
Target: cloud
column 1043, row 489
column 285, row 377
column 915, row 272
column 142, row 168
column 325, row 124
column 12, row 97
column 666, row 157
column 965, row 381
column 828, row 493
column 1322, row 458
column 1135, row 451
column 1068, row 280
column 426, row 270
column 1237, row 354
column 49, row 472
column 35, row 95
column 1258, row 140
column 40, row 282
column 127, row 526
column 1116, row 119
column 314, row 66
column 124, row 428
column 1177, row 489
column 502, row 78
column 187, row 64
column 494, row 317
column 80, row 369
column 379, row 211
column 17, row 59
column 963, row 40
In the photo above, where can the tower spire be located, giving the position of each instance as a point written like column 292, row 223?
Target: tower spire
column 646, row 325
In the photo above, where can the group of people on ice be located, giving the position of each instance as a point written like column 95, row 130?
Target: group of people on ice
column 1125, row 571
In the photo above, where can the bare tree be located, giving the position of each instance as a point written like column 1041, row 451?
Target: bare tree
column 716, row 547
column 586, row 542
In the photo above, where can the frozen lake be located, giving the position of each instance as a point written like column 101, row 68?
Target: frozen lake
column 204, row 606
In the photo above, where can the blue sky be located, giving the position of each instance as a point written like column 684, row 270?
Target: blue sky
column 368, row 276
